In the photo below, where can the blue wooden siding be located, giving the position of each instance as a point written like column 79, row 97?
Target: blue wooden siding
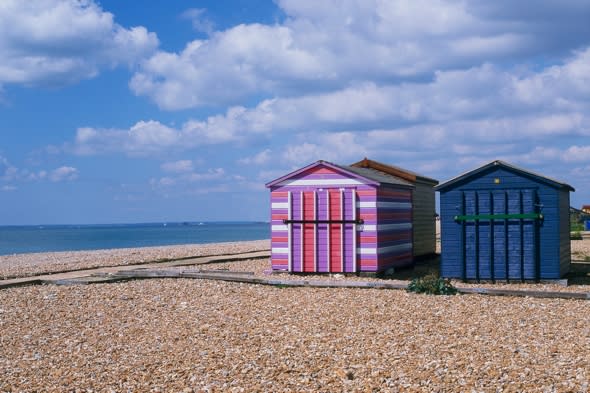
column 493, row 249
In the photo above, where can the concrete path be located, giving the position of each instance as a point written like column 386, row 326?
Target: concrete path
column 66, row 276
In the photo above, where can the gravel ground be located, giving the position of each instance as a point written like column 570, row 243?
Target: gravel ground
column 23, row 265
column 192, row 335
column 581, row 249
column 261, row 267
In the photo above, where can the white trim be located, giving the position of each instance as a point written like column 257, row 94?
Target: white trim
column 321, row 182
column 328, row 228
column 383, row 250
column 342, row 231
column 280, row 250
column 279, row 228
column 302, row 233
column 315, row 232
column 290, row 232
column 279, row 205
column 367, row 251
column 385, row 227
column 399, row 205
column 353, row 197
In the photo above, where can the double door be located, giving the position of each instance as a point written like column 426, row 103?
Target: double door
column 322, row 230
column 500, row 234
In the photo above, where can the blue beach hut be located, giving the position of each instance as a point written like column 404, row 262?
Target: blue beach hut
column 501, row 222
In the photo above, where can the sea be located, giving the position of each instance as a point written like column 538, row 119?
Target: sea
column 46, row 238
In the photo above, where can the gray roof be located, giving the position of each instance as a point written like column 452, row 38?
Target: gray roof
column 373, row 174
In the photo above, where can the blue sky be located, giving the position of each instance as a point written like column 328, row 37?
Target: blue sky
column 181, row 110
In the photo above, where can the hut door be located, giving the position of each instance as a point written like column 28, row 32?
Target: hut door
column 323, row 232
column 499, row 234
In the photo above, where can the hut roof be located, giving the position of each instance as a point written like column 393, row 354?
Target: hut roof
column 512, row 168
column 379, row 176
column 393, row 170
column 372, row 176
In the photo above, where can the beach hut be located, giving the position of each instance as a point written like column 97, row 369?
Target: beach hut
column 423, row 205
column 501, row 222
column 328, row 218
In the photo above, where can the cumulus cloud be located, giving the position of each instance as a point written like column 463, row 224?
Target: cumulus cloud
column 322, row 46
column 523, row 106
column 198, row 20
column 258, row 159
column 57, row 42
column 64, row 173
column 186, row 179
column 11, row 173
column 180, row 166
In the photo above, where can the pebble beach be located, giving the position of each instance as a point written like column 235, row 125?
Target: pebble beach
column 24, row 265
column 180, row 335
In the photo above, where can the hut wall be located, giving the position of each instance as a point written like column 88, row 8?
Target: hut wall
column 367, row 238
column 394, row 227
column 279, row 241
column 423, row 219
column 502, row 242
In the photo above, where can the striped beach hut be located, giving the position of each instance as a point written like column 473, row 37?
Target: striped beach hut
column 501, row 222
column 328, row 218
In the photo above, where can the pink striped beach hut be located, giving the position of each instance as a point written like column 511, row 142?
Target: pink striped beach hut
column 329, row 218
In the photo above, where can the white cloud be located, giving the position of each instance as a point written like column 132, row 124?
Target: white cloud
column 328, row 45
column 181, row 166
column 142, row 138
column 56, row 42
column 199, row 22
column 438, row 128
column 258, row 159
column 11, row 173
column 64, row 173
column 577, row 154
column 452, row 105
column 184, row 179
column 9, row 188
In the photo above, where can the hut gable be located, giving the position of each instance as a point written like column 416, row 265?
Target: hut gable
column 506, row 169
column 326, row 174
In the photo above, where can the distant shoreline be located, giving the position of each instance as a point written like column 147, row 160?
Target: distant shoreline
column 189, row 223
